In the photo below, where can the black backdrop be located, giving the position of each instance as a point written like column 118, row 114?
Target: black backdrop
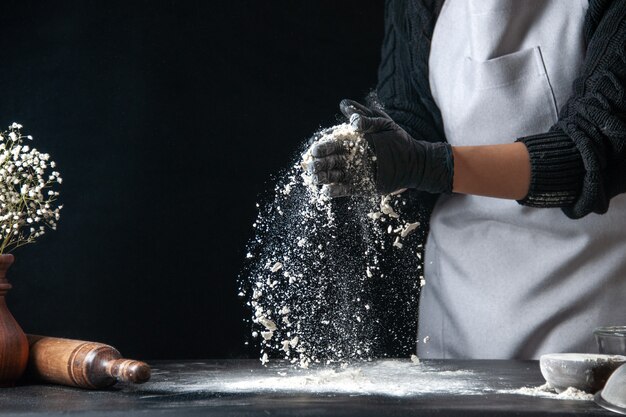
column 167, row 120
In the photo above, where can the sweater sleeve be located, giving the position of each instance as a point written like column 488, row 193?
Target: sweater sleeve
column 580, row 164
column 403, row 86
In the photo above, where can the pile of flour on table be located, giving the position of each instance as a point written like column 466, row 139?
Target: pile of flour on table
column 332, row 280
column 546, row 391
column 388, row 377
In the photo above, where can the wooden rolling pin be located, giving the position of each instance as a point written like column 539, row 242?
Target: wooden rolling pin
column 78, row 363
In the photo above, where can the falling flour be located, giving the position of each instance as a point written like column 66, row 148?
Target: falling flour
column 333, row 280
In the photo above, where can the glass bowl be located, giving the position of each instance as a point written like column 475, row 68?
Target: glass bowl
column 613, row 396
column 611, row 339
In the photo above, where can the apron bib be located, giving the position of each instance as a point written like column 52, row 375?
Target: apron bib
column 505, row 280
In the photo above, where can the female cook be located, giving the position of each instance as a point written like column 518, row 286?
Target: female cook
column 487, row 102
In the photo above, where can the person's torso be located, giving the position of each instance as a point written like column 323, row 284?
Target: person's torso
column 505, row 280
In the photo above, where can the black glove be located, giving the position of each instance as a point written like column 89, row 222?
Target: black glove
column 399, row 160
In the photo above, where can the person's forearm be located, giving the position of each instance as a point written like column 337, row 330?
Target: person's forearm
column 501, row 171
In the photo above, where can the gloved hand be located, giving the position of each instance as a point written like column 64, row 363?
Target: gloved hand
column 342, row 166
column 400, row 161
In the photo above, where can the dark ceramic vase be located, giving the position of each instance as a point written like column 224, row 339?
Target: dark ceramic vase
column 13, row 342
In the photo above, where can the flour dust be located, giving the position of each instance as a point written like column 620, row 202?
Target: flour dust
column 547, row 391
column 333, row 280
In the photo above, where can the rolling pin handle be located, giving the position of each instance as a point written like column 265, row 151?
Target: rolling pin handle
column 127, row 370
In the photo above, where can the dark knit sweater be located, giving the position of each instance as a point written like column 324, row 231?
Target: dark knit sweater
column 580, row 163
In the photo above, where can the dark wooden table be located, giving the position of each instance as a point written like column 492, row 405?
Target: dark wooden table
column 244, row 388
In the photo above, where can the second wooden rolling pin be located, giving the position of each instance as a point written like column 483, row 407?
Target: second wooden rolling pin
column 81, row 364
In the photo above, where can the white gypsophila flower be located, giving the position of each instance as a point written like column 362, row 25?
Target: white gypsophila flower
column 27, row 198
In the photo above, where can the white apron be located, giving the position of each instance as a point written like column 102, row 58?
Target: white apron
column 504, row 280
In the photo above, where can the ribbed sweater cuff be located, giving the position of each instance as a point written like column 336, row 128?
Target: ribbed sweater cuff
column 556, row 170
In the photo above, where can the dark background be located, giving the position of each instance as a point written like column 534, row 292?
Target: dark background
column 167, row 120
